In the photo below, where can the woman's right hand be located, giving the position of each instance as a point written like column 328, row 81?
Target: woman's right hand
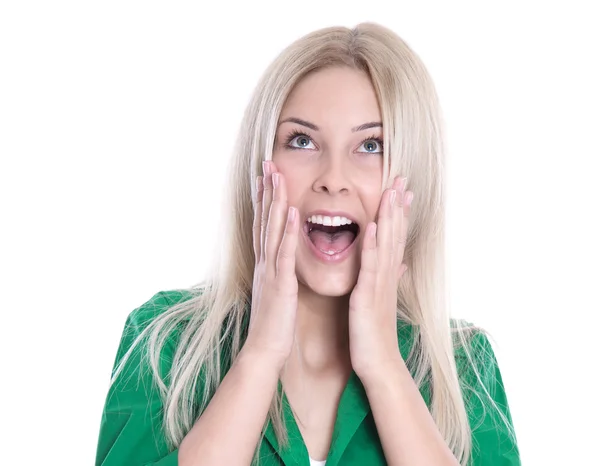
column 275, row 286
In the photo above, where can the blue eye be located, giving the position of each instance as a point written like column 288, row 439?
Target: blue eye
column 371, row 143
column 302, row 139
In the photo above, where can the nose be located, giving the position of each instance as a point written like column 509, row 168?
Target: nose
column 331, row 176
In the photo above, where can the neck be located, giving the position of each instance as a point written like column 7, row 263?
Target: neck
column 321, row 333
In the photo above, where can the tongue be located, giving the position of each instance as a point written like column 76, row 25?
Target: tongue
column 331, row 243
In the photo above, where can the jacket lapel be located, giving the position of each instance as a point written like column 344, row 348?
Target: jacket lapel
column 352, row 410
column 296, row 453
column 354, row 404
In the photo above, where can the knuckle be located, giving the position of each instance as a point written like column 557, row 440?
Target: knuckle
column 277, row 203
column 284, row 254
column 270, row 229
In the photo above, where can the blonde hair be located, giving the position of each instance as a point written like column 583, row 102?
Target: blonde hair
column 413, row 133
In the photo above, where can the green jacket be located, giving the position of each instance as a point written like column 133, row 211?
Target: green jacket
column 130, row 429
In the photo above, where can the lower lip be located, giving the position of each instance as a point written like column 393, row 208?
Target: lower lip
column 326, row 258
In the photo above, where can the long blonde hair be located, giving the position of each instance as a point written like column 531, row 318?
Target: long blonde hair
column 413, row 133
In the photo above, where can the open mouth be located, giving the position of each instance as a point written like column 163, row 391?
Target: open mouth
column 330, row 239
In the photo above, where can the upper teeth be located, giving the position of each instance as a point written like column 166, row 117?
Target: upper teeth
column 329, row 221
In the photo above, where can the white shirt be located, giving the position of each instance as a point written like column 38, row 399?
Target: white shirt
column 316, row 463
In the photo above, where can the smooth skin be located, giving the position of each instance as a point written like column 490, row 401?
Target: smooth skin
column 313, row 323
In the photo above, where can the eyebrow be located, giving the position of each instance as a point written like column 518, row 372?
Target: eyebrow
column 372, row 124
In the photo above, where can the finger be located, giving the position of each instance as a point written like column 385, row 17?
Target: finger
column 276, row 222
column 385, row 229
column 266, row 206
column 399, row 224
column 367, row 277
column 408, row 196
column 256, row 226
column 286, row 257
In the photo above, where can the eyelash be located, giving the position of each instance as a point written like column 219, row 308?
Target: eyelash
column 295, row 133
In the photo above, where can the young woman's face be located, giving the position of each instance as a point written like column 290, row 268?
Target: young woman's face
column 329, row 149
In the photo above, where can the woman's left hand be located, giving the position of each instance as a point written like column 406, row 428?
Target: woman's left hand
column 373, row 322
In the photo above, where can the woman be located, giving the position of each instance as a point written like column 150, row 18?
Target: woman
column 322, row 337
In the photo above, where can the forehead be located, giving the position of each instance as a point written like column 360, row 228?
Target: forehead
column 339, row 94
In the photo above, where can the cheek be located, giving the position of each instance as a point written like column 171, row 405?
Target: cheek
column 284, row 165
column 371, row 196
column 293, row 182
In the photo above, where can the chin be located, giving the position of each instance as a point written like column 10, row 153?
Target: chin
column 332, row 285
column 327, row 279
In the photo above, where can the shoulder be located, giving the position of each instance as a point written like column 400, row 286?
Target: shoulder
column 470, row 340
column 144, row 315
column 136, row 334
column 132, row 425
column 478, row 371
column 486, row 402
column 157, row 305
column 476, row 361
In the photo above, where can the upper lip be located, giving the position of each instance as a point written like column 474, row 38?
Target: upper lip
column 331, row 213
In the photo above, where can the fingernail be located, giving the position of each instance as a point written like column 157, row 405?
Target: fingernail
column 393, row 197
column 276, row 179
column 266, row 168
column 409, row 197
column 372, row 230
column 291, row 214
column 404, row 180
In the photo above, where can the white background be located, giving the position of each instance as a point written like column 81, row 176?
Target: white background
column 117, row 119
